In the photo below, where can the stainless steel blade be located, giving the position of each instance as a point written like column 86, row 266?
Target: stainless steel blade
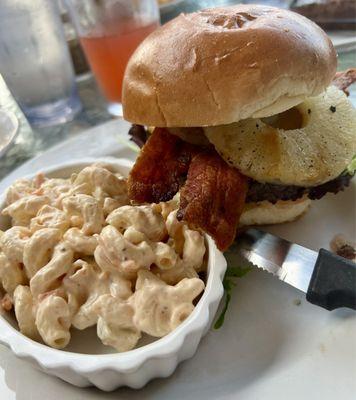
column 290, row 262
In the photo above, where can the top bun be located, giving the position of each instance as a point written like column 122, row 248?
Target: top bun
column 221, row 65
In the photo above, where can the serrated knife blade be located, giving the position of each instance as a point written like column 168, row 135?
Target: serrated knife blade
column 290, row 262
column 328, row 280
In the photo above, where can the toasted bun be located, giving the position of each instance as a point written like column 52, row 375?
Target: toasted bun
column 222, row 65
column 266, row 213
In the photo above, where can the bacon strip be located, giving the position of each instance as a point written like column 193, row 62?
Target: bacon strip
column 161, row 168
column 213, row 197
column 344, row 79
column 214, row 193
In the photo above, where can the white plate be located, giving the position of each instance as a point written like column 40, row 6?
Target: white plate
column 8, row 130
column 268, row 348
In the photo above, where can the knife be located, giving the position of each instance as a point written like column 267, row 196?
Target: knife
column 328, row 280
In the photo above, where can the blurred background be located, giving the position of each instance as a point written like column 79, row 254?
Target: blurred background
column 62, row 61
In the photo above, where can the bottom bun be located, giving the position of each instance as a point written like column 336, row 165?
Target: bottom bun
column 265, row 213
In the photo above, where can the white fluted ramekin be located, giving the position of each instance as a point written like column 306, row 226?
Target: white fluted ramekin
column 133, row 368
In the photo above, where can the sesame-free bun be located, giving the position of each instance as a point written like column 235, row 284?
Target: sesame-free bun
column 266, row 213
column 221, row 65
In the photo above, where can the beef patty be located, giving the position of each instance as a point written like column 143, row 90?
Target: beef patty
column 272, row 192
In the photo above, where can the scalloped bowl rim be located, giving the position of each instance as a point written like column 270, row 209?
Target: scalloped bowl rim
column 126, row 362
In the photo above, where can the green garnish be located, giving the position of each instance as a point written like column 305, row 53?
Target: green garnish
column 229, row 284
column 351, row 168
column 132, row 146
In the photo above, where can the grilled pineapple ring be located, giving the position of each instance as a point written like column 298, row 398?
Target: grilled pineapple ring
column 308, row 145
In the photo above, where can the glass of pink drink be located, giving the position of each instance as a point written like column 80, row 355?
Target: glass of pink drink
column 110, row 31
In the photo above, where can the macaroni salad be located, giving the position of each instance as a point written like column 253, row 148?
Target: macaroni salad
column 79, row 254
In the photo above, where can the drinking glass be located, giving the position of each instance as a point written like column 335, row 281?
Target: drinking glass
column 110, row 31
column 35, row 61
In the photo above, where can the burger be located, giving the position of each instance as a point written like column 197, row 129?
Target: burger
column 249, row 121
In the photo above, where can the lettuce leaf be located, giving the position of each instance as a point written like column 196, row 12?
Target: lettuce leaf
column 351, row 168
column 229, row 284
column 132, row 146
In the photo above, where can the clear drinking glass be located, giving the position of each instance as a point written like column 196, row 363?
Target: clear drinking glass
column 35, row 61
column 110, row 31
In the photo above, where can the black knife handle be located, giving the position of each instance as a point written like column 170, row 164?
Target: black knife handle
column 333, row 282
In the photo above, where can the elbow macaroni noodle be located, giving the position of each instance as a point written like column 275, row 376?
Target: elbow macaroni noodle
column 78, row 254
